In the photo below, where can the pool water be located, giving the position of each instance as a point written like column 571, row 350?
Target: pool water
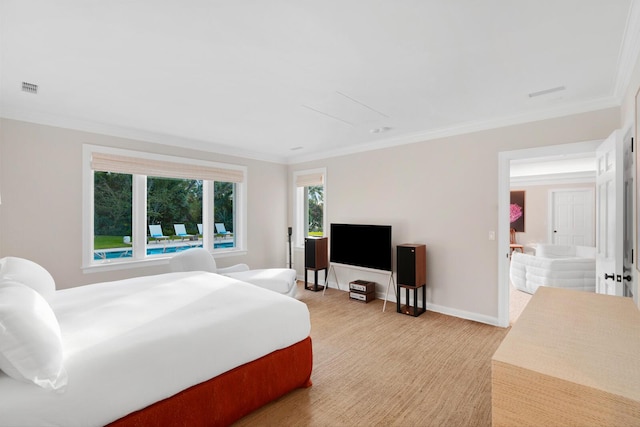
column 127, row 253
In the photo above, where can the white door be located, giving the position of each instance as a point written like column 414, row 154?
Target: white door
column 629, row 177
column 572, row 220
column 609, row 215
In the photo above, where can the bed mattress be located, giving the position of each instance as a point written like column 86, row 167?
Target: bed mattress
column 134, row 342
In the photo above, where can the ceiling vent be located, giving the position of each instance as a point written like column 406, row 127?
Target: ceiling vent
column 29, row 87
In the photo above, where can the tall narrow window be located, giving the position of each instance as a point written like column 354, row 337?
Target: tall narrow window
column 309, row 214
column 314, row 195
column 224, row 215
column 112, row 215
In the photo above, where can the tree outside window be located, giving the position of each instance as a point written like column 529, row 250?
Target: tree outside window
column 174, row 201
column 315, row 201
column 169, row 201
column 112, row 212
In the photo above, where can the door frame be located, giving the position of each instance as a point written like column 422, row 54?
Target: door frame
column 552, row 207
column 504, row 166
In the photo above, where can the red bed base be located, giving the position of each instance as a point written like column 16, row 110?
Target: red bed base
column 228, row 397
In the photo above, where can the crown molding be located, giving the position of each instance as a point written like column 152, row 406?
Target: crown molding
column 464, row 128
column 67, row 122
column 228, row 149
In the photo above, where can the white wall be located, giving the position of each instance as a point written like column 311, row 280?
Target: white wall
column 41, row 210
column 444, row 193
column 441, row 192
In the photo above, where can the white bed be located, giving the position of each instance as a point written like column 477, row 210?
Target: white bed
column 558, row 266
column 130, row 343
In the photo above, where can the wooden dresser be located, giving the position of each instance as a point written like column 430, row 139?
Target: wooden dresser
column 572, row 358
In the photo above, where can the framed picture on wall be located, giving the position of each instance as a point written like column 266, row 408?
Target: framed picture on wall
column 516, row 211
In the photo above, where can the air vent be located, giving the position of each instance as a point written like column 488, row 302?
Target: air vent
column 29, row 87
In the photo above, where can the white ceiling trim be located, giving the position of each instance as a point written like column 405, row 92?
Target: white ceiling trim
column 135, row 134
column 462, row 129
column 228, row 149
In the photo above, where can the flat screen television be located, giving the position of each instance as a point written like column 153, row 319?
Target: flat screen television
column 361, row 245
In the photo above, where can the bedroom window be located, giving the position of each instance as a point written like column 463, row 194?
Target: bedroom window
column 309, row 195
column 141, row 207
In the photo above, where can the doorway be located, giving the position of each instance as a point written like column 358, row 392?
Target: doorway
column 504, row 166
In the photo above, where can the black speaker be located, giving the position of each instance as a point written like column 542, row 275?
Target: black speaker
column 316, row 253
column 411, row 262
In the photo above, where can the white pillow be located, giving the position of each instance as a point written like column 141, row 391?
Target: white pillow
column 30, row 342
column 29, row 274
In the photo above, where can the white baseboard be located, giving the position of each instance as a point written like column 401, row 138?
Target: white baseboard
column 476, row 317
column 468, row 315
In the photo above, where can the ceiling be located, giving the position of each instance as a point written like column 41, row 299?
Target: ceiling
column 290, row 81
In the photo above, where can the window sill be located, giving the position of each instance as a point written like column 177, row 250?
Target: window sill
column 114, row 265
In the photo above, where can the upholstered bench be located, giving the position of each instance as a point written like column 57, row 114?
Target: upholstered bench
column 281, row 280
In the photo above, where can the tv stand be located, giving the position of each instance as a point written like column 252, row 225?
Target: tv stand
column 326, row 279
column 332, row 268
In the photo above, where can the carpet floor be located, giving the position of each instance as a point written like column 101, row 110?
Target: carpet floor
column 374, row 368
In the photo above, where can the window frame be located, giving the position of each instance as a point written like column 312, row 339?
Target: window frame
column 300, row 206
column 139, row 211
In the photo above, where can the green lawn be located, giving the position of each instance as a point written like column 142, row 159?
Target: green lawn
column 106, row 242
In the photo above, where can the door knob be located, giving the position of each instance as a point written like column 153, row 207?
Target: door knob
column 609, row 276
column 627, row 277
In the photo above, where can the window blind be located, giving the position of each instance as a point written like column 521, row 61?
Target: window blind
column 104, row 162
column 309, row 180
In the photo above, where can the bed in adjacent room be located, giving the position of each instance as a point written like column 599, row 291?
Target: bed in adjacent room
column 191, row 348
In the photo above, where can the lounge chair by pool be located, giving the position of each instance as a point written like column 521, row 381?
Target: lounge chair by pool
column 181, row 231
column 220, row 229
column 155, row 232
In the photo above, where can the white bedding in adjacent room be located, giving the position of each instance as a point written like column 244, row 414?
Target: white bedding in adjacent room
column 130, row 343
column 528, row 272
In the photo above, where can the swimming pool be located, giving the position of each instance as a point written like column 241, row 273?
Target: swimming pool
column 102, row 254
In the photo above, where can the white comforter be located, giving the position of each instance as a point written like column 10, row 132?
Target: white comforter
column 133, row 342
